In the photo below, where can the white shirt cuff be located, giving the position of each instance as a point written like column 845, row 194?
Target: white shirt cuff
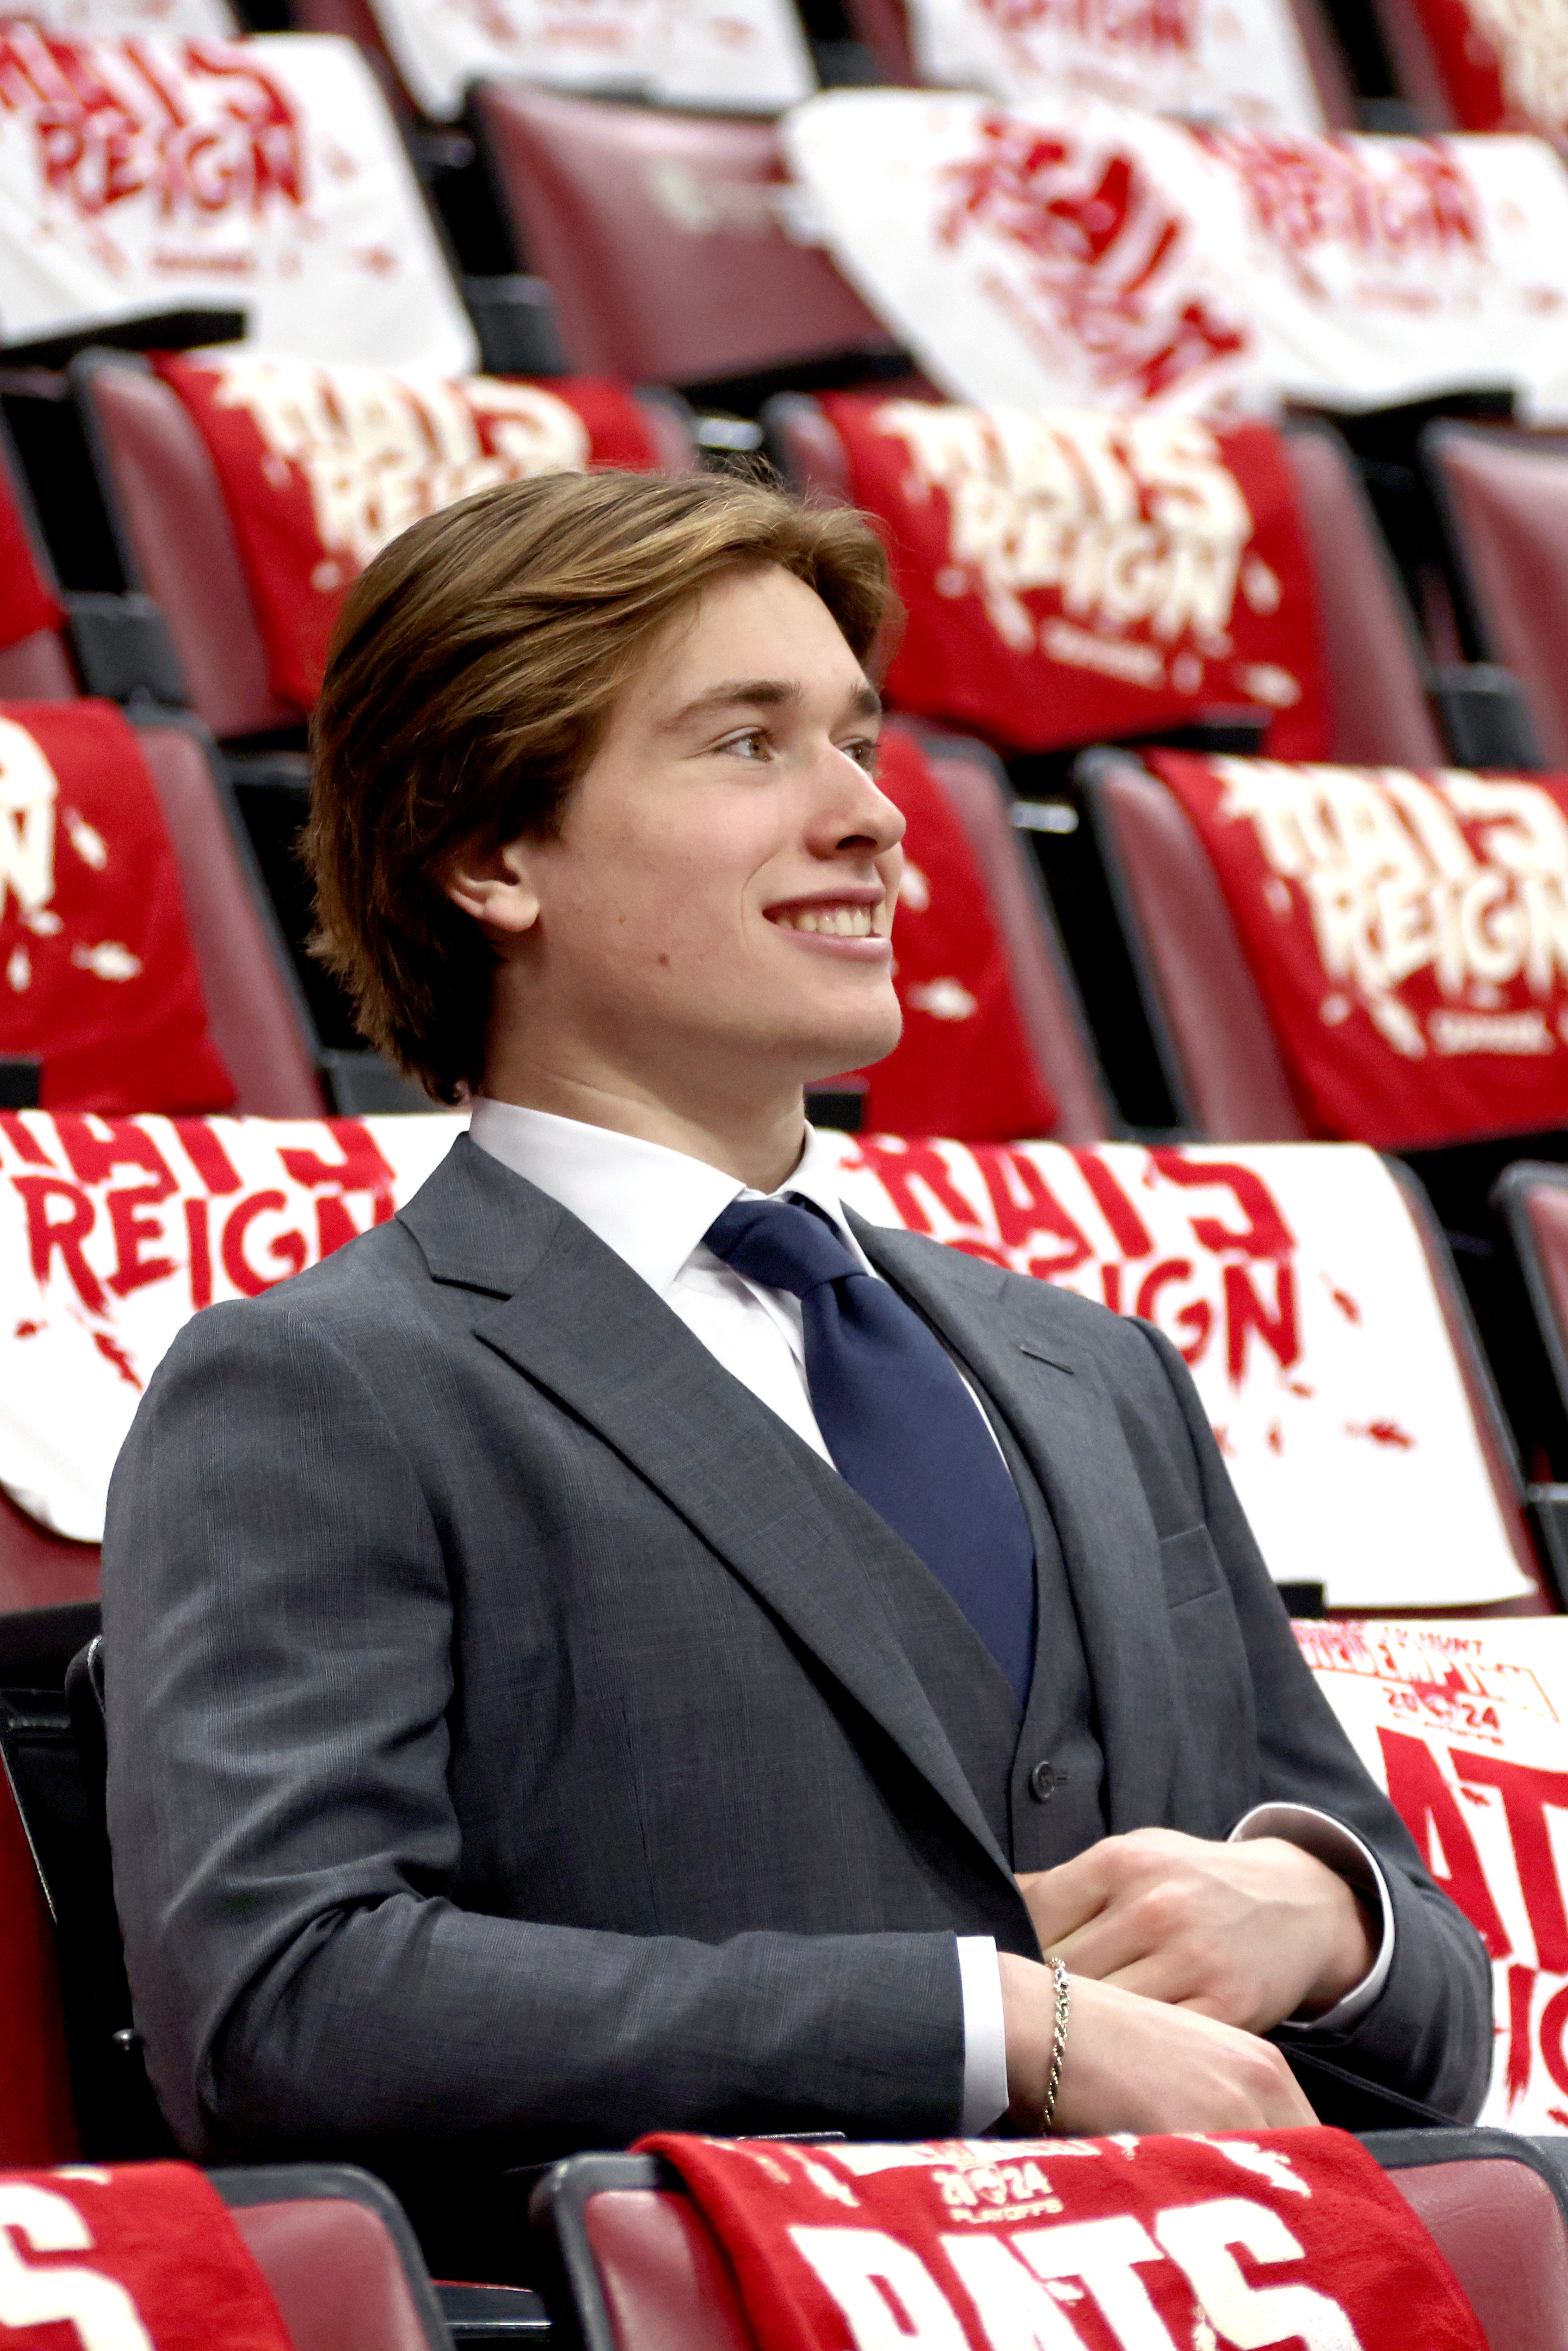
column 984, row 2036
column 1340, row 1850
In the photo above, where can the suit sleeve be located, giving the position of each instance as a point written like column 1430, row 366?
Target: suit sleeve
column 1429, row 2033
column 279, row 1632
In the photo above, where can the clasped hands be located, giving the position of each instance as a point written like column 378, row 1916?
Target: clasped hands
column 1181, row 1952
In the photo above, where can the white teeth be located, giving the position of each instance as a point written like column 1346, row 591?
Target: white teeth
column 833, row 922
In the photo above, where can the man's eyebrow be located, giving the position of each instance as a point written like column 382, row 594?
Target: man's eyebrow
column 763, row 693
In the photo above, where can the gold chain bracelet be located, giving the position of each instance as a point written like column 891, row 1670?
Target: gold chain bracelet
column 1059, row 2043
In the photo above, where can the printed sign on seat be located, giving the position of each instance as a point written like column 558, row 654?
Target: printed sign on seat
column 319, row 467
column 1465, row 1726
column 1068, row 575
column 749, row 56
column 1244, row 64
column 33, row 663
column 1342, row 1382
column 1286, row 2236
column 98, row 980
column 1403, row 938
column 148, row 171
column 1092, row 256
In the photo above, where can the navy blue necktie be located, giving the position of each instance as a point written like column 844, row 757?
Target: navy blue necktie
column 898, row 1421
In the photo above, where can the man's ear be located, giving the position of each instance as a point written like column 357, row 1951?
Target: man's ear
column 496, row 886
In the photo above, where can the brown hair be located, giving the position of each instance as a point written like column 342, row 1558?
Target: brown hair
column 469, row 679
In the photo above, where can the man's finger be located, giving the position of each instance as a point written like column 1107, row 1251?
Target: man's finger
column 1064, row 1899
column 1106, row 1945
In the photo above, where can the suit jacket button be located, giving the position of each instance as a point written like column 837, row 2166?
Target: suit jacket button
column 1044, row 1782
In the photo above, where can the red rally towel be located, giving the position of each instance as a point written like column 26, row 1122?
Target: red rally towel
column 1290, row 2238
column 141, row 2257
column 97, row 977
column 320, row 466
column 1408, row 935
column 1069, row 575
column 963, row 1067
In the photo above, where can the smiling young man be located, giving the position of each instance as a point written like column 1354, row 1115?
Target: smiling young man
column 626, row 1645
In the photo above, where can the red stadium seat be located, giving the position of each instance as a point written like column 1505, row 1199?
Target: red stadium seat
column 1043, row 990
column 34, row 664
column 1505, row 497
column 177, row 542
column 1532, row 1199
column 1376, row 695
column 335, row 2247
column 38, row 2123
column 256, row 1016
column 39, row 1569
column 661, row 238
column 644, row 2273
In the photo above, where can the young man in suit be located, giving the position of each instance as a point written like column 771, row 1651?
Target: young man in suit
column 626, row 1645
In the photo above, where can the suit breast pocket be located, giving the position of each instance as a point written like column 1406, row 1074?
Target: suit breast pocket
column 1190, row 1565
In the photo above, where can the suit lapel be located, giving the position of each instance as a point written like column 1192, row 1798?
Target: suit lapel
column 1066, row 1425
column 577, row 1322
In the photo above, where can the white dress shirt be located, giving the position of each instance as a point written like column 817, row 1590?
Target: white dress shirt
column 652, row 1206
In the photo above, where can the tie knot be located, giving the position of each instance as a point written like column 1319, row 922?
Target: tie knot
column 780, row 1245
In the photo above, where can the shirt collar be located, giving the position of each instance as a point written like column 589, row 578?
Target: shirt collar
column 651, row 1205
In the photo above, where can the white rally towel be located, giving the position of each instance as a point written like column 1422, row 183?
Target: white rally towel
column 1466, row 1725
column 148, row 172
column 1084, row 255
column 1289, row 1276
column 749, row 56
column 192, row 20
column 1226, row 61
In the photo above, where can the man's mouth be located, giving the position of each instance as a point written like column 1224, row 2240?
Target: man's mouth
column 832, row 919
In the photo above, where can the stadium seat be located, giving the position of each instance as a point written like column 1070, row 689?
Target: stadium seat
column 34, row 664
column 37, row 2121
column 177, row 542
column 1504, row 495
column 663, row 239
column 1532, row 1200
column 639, row 2270
column 40, row 1568
column 1043, row 991
column 1377, row 706
column 335, row 2248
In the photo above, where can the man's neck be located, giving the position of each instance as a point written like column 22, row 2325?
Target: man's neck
column 759, row 1144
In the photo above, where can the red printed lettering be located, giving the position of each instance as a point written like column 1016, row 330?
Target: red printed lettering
column 124, row 1143
column 133, row 1228
column 900, row 1167
column 1026, row 1206
column 1265, row 1232
column 1526, row 1794
column 201, row 1254
column 1245, row 1311
column 287, row 1250
column 47, row 1234
column 1131, row 1236
column 1430, row 1809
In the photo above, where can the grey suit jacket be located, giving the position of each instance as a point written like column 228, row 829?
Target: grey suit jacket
column 510, row 1746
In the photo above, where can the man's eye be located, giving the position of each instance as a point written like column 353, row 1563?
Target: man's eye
column 752, row 744
column 864, row 754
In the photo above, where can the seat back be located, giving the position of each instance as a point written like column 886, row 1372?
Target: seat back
column 34, row 664
column 1505, row 497
column 38, row 2124
column 40, row 1568
column 1419, row 75
column 662, row 241
column 1213, row 1035
column 175, row 539
column 336, row 2248
column 1377, row 701
column 1043, row 988
column 644, row 2272
column 1534, row 1200
column 256, row 1013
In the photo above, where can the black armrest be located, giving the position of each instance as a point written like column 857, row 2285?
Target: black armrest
column 1485, row 715
column 515, row 320
column 124, row 651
